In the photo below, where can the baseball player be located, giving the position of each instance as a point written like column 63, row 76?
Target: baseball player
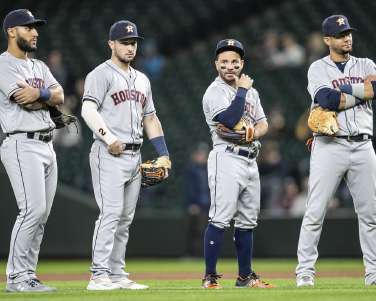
column 232, row 170
column 341, row 83
column 27, row 87
column 117, row 104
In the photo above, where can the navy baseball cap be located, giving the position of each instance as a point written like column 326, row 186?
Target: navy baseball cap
column 230, row 45
column 335, row 24
column 124, row 30
column 21, row 17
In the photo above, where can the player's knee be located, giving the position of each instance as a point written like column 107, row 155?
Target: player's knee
column 37, row 212
column 113, row 216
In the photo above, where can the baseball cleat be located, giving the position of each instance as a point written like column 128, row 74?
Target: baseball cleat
column 102, row 284
column 127, row 284
column 31, row 285
column 210, row 281
column 252, row 280
column 305, row 281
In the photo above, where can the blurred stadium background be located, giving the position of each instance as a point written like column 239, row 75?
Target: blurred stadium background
column 281, row 39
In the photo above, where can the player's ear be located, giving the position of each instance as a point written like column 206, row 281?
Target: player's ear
column 111, row 44
column 326, row 40
column 216, row 64
column 11, row 32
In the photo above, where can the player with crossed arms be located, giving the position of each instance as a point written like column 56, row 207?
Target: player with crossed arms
column 341, row 83
column 28, row 91
column 117, row 104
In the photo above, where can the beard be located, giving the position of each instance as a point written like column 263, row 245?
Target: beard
column 222, row 73
column 121, row 59
column 347, row 51
column 24, row 45
column 340, row 50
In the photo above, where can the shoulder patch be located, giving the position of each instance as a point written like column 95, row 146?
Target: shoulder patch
column 318, row 85
column 89, row 92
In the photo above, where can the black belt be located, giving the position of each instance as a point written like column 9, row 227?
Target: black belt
column 357, row 138
column 132, row 147
column 250, row 155
column 42, row 137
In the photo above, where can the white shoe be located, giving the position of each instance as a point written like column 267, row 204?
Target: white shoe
column 102, row 284
column 305, row 281
column 127, row 284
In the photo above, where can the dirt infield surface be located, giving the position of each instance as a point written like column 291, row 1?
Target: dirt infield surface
column 195, row 275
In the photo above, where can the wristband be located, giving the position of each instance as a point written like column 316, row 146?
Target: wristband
column 160, row 146
column 45, row 94
column 350, row 101
column 356, row 90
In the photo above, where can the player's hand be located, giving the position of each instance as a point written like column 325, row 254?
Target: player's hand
column 370, row 78
column 27, row 95
column 115, row 148
column 244, row 81
column 241, row 132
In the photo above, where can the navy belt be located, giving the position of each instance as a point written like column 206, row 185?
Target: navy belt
column 132, row 147
column 249, row 155
column 357, row 138
column 42, row 137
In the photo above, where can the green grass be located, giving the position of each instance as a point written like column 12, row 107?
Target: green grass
column 336, row 289
column 325, row 289
column 185, row 265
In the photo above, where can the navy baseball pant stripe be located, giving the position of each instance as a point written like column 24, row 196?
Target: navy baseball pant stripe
column 100, row 189
column 23, row 184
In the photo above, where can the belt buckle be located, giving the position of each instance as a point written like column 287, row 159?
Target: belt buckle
column 45, row 138
column 251, row 155
column 350, row 140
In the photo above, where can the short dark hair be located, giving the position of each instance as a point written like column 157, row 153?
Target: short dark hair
column 7, row 35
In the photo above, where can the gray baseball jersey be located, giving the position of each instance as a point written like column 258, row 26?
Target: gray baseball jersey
column 334, row 158
column 30, row 163
column 217, row 99
column 233, row 179
column 36, row 74
column 356, row 120
column 123, row 101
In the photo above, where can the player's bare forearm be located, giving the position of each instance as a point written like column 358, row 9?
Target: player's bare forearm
column 152, row 126
column 57, row 96
column 368, row 91
column 260, row 129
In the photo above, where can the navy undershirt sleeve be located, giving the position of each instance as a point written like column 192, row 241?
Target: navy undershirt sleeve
column 328, row 98
column 235, row 111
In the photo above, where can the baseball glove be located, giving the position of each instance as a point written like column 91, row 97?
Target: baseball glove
column 63, row 120
column 153, row 172
column 323, row 121
column 232, row 136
